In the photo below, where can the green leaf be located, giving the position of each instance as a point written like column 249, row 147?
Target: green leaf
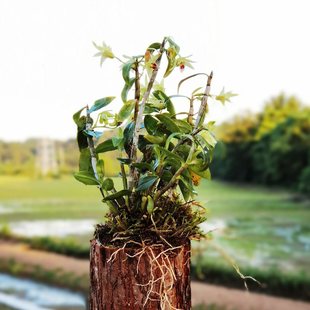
column 119, row 194
column 166, row 176
column 126, row 110
column 187, row 188
column 118, row 142
column 85, row 161
column 92, row 133
column 209, row 138
column 184, row 126
column 184, row 190
column 82, row 140
column 128, row 136
column 108, row 184
column 100, row 103
column 126, row 89
column 105, row 146
column 143, row 166
column 171, row 54
column 126, row 70
column 149, row 109
column 80, row 122
column 173, row 162
column 150, row 124
column 154, row 46
column 154, row 139
column 183, row 150
column 168, row 122
column 160, row 95
column 86, row 178
column 170, row 154
column 146, row 182
column 206, row 174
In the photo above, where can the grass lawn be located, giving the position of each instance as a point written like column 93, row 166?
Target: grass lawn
column 258, row 227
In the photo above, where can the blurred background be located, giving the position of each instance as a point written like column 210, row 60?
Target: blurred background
column 258, row 202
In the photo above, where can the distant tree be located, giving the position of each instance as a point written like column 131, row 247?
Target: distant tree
column 271, row 147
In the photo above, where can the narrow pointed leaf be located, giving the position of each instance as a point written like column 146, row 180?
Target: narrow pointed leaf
column 86, row 178
column 119, row 194
column 105, row 146
column 143, row 166
column 94, row 134
column 85, row 161
column 126, row 70
column 101, row 103
column 184, row 126
column 154, row 46
column 154, row 139
column 80, row 122
column 150, row 124
column 126, row 110
column 168, row 122
column 126, row 89
column 146, row 182
column 160, row 95
column 171, row 53
column 82, row 140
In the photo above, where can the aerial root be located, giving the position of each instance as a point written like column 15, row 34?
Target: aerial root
column 162, row 275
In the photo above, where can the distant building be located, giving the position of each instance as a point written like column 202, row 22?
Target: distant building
column 46, row 157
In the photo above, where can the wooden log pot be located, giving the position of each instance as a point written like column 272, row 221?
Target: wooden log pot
column 149, row 277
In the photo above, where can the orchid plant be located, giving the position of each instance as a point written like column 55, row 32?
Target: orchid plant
column 162, row 153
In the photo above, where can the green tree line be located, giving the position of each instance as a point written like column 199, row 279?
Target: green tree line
column 271, row 147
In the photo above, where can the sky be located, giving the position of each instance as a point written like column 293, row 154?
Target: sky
column 255, row 48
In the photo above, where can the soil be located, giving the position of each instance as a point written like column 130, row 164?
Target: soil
column 229, row 299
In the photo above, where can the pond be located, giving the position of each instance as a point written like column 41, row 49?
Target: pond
column 24, row 294
column 267, row 244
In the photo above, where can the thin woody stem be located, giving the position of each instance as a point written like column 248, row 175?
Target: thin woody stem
column 137, row 100
column 204, row 103
column 139, row 119
column 137, row 90
column 191, row 111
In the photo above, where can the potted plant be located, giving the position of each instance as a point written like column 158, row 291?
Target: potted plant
column 140, row 256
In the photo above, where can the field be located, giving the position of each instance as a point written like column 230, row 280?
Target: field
column 256, row 227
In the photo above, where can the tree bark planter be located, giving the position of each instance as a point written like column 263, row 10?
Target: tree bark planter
column 151, row 277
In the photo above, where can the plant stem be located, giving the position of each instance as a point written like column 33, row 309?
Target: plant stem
column 124, row 176
column 137, row 90
column 132, row 175
column 173, row 181
column 139, row 118
column 204, row 103
column 191, row 111
column 92, row 150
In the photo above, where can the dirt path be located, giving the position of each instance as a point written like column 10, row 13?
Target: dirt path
column 231, row 299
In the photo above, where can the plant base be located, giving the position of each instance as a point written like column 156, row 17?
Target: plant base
column 145, row 277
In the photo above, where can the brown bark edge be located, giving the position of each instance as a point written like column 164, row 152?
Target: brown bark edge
column 133, row 279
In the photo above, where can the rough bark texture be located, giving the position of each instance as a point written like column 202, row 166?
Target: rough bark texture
column 140, row 278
